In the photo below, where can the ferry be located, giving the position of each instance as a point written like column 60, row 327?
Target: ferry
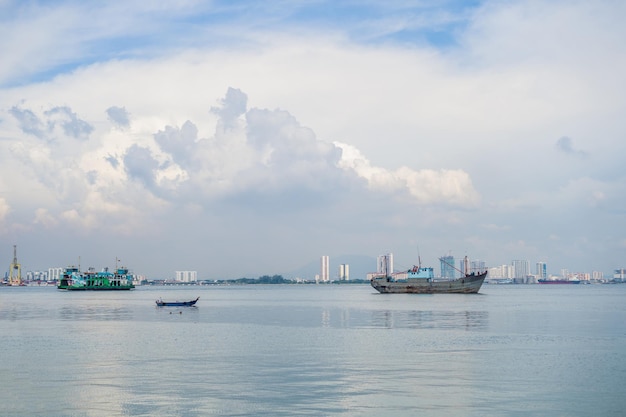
column 105, row 280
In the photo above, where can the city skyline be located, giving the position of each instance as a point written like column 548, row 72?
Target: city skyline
column 448, row 264
column 232, row 138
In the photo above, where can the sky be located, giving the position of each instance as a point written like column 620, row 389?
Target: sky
column 242, row 138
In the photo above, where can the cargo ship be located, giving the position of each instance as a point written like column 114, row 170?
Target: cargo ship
column 558, row 281
column 421, row 280
column 105, row 280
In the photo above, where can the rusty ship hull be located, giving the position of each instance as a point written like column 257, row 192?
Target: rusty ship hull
column 469, row 284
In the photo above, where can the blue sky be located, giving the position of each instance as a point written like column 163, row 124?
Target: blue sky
column 87, row 33
column 248, row 138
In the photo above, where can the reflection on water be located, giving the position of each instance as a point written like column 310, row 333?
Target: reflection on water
column 418, row 319
column 401, row 319
column 95, row 312
column 325, row 318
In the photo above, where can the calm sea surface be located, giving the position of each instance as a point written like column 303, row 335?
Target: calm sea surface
column 314, row 350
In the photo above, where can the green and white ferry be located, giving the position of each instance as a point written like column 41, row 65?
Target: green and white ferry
column 105, row 280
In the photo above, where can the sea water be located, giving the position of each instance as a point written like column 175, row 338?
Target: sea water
column 314, row 350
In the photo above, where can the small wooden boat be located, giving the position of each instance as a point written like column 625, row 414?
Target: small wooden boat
column 162, row 303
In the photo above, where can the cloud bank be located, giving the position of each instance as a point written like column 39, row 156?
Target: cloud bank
column 231, row 145
column 253, row 152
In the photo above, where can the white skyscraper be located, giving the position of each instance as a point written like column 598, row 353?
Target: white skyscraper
column 521, row 268
column 344, row 272
column 325, row 273
column 385, row 264
column 186, row 276
column 542, row 271
column 54, row 274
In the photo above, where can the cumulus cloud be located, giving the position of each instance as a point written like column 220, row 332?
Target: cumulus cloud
column 259, row 152
column 28, row 121
column 180, row 144
column 252, row 153
column 70, row 123
column 63, row 117
column 424, row 186
column 112, row 160
column 232, row 107
column 119, row 116
column 289, row 153
column 566, row 145
column 141, row 165
column 255, row 158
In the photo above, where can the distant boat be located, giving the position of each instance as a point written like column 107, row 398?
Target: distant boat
column 162, row 303
column 421, row 280
column 105, row 280
column 558, row 281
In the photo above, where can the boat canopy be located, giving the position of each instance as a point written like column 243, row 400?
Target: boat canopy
column 419, row 272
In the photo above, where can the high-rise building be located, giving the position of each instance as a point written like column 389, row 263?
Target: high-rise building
column 521, row 268
column 54, row 274
column 325, row 269
column 542, row 270
column 344, row 272
column 447, row 267
column 186, row 276
column 478, row 266
column 501, row 272
column 385, row 264
column 462, row 267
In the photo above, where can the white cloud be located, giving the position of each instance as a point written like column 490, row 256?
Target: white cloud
column 119, row 116
column 4, row 209
column 44, row 218
column 28, row 120
column 425, row 186
column 253, row 154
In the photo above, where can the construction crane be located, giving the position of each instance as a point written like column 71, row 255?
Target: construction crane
column 15, row 274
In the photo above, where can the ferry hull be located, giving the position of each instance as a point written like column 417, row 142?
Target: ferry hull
column 470, row 284
column 98, row 288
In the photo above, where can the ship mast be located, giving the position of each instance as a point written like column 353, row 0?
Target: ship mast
column 419, row 258
column 15, row 273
